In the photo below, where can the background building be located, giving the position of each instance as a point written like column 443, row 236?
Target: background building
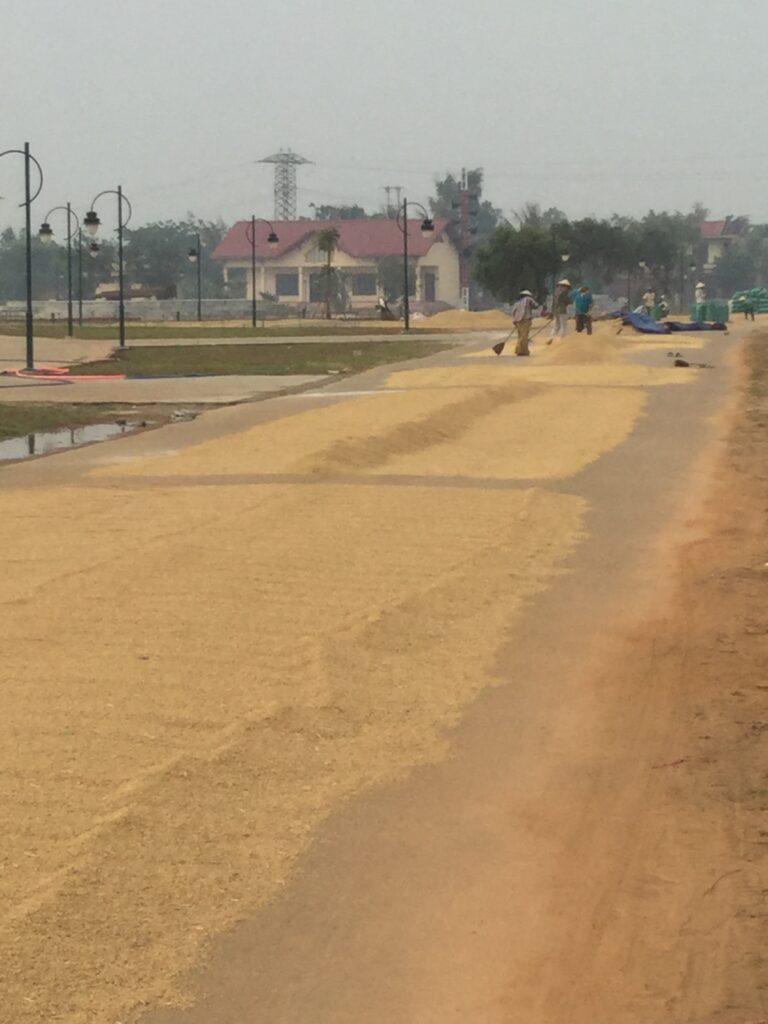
column 365, row 261
column 719, row 235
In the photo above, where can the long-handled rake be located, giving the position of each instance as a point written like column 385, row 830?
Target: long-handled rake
column 498, row 348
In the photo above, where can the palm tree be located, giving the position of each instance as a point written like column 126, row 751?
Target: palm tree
column 328, row 242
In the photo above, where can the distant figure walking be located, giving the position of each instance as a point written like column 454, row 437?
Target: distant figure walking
column 583, row 303
column 560, row 303
column 700, row 299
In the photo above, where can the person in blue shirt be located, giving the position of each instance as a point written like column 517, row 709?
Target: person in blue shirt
column 583, row 302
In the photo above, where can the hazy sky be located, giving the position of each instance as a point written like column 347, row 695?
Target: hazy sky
column 594, row 106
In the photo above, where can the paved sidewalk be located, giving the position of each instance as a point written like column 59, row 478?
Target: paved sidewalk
column 363, row 339
column 200, row 390
column 50, row 351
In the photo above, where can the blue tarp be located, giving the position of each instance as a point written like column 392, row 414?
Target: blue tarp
column 646, row 325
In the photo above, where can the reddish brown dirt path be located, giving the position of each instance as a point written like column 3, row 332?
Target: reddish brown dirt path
column 595, row 851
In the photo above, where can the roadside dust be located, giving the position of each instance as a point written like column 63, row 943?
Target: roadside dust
column 660, row 911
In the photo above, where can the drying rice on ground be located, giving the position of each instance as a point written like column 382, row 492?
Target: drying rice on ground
column 207, row 652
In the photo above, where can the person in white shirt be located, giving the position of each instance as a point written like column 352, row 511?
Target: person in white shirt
column 649, row 301
column 523, row 312
column 560, row 303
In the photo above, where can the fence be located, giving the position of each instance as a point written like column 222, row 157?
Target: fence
column 164, row 310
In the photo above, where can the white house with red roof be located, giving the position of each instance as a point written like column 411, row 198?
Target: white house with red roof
column 718, row 236
column 292, row 269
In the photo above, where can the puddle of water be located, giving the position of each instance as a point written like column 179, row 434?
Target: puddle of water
column 56, row 440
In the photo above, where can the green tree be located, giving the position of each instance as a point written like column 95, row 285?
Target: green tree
column 328, row 242
column 390, row 277
column 444, row 203
column 734, row 271
column 744, row 264
column 512, row 259
column 49, row 268
column 353, row 212
column 598, row 249
column 211, row 273
column 156, row 256
column 667, row 243
column 99, row 266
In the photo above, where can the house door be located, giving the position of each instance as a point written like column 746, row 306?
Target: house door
column 430, row 286
column 316, row 286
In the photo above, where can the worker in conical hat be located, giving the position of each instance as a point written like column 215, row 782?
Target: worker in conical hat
column 561, row 300
column 523, row 312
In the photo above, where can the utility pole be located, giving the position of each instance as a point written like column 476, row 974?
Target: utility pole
column 467, row 230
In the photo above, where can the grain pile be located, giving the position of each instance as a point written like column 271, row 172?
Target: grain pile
column 206, row 652
column 465, row 320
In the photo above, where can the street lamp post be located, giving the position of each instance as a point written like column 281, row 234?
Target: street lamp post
column 27, row 204
column 92, row 222
column 427, row 229
column 195, row 256
column 564, row 258
column 46, row 234
column 80, row 276
column 272, row 241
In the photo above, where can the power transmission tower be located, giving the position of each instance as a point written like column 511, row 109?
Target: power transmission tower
column 393, row 208
column 285, row 163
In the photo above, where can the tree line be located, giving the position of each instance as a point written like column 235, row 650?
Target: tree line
column 618, row 254
column 156, row 256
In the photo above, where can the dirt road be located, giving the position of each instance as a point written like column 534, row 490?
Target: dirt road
column 430, row 704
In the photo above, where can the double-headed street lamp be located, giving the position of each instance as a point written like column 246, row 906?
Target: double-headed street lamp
column 272, row 241
column 92, row 223
column 27, row 204
column 195, row 256
column 564, row 258
column 46, row 234
column 427, row 230
column 643, row 266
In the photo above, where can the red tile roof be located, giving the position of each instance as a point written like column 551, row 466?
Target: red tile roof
column 712, row 228
column 365, row 238
column 731, row 227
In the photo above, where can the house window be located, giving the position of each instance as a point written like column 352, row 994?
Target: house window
column 364, row 284
column 315, row 255
column 287, row 284
column 237, row 286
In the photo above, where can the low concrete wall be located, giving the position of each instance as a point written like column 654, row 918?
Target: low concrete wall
column 186, row 309
column 150, row 309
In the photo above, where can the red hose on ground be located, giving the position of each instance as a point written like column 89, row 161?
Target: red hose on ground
column 60, row 374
